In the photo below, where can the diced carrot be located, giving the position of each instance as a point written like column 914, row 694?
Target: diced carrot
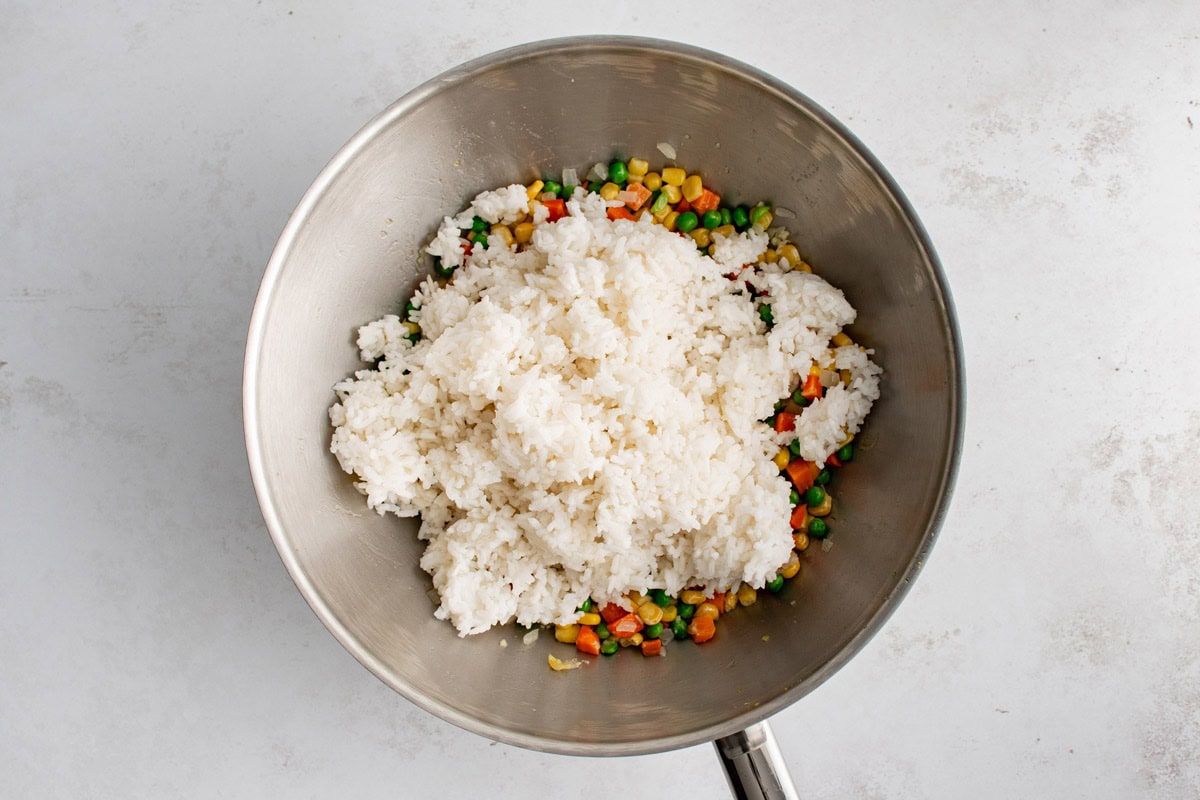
column 833, row 460
column 683, row 205
column 785, row 422
column 643, row 194
column 651, row 647
column 802, row 473
column 587, row 641
column 626, row 626
column 702, row 629
column 557, row 208
column 798, row 516
column 707, row 201
column 718, row 600
column 619, row 212
column 812, row 387
column 612, row 612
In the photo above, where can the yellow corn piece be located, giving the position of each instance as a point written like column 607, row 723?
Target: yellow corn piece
column 842, row 340
column 567, row 634
column 631, row 641
column 523, row 232
column 803, row 525
column 702, row 236
column 534, row 189
column 692, row 187
column 747, row 595
column 558, row 665
column 708, row 609
column 674, row 193
column 590, row 618
column 638, row 167
column 669, row 220
column 650, row 612
column 769, row 256
column 803, row 266
column 503, row 232
column 800, row 541
column 669, row 614
column 636, row 598
column 662, row 214
column 412, row 328
column 790, row 252
column 609, row 191
column 692, row 597
column 673, row 176
column 824, row 508
column 782, row 458
column 724, row 230
column 789, row 570
column 731, row 601
column 653, row 181
column 764, row 221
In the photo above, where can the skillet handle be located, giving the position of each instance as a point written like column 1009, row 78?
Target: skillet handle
column 754, row 766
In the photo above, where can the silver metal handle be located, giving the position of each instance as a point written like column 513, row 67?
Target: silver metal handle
column 754, row 766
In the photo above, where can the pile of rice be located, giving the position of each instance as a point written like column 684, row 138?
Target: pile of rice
column 584, row 418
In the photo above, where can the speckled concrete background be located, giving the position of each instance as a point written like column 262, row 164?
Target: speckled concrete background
column 151, row 643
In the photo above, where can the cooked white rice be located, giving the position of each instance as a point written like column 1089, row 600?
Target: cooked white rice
column 584, row 418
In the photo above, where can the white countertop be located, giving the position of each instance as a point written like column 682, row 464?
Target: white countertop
column 151, row 643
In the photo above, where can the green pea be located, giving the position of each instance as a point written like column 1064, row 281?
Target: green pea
column 479, row 239
column 814, row 496
column 711, row 219
column 660, row 598
column 800, row 399
column 757, row 212
column 703, row 250
column 409, row 308
column 794, row 497
column 652, row 631
column 686, row 221
column 686, row 610
column 553, row 187
column 846, row 453
column 741, row 218
column 726, row 215
column 770, row 421
column 414, row 338
column 794, row 447
column 618, row 172
column 823, row 477
column 775, row 585
column 602, row 631
column 818, row 528
column 479, row 224
column 586, row 606
column 609, row 646
column 779, row 404
column 764, row 313
column 442, row 269
column 660, row 202
column 594, row 187
column 679, row 628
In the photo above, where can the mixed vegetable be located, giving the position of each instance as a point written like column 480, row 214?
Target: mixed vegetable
column 681, row 202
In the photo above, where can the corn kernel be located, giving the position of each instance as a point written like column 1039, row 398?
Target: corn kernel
column 708, row 609
column 842, row 340
column 662, row 214
column 590, row 618
column 412, row 328
column 653, row 181
column 692, row 597
column 669, row 614
column 803, row 266
column 824, row 508
column 702, row 236
column 609, row 191
column 790, row 252
column 769, row 256
column 747, row 595
column 800, row 541
column 631, row 641
column 724, row 230
column 567, row 634
column 789, row 570
column 764, row 221
column 782, row 458
column 731, row 601
column 674, row 193
column 523, row 232
column 650, row 612
column 534, row 189
column 503, row 232
column 636, row 598
column 692, row 188
column 638, row 167
column 669, row 220
column 673, row 176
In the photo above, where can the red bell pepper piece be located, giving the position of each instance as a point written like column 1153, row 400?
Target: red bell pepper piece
column 557, row 208
column 612, row 612
column 619, row 212
column 785, row 422
column 626, row 626
column 802, row 473
column 812, row 387
column 587, row 641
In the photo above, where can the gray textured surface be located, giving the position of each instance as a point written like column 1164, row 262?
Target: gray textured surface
column 152, row 644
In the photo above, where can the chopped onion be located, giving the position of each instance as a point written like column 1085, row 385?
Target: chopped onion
column 530, row 637
column 627, row 197
column 780, row 211
column 504, row 642
column 826, row 545
column 570, row 177
column 830, row 377
column 598, row 172
column 666, row 149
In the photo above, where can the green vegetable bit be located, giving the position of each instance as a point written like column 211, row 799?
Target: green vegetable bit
column 609, row 646
column 661, row 201
column 726, row 216
column 775, row 585
column 818, row 528
column 741, row 218
column 814, row 496
column 764, row 313
column 602, row 631
column 823, row 477
column 479, row 225
column 442, row 269
column 686, row 611
column 618, row 172
column 679, row 628
column 686, row 221
column 794, row 497
column 660, row 598
column 846, row 453
column 794, row 447
column 553, row 187
column 653, row 631
column 711, row 219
